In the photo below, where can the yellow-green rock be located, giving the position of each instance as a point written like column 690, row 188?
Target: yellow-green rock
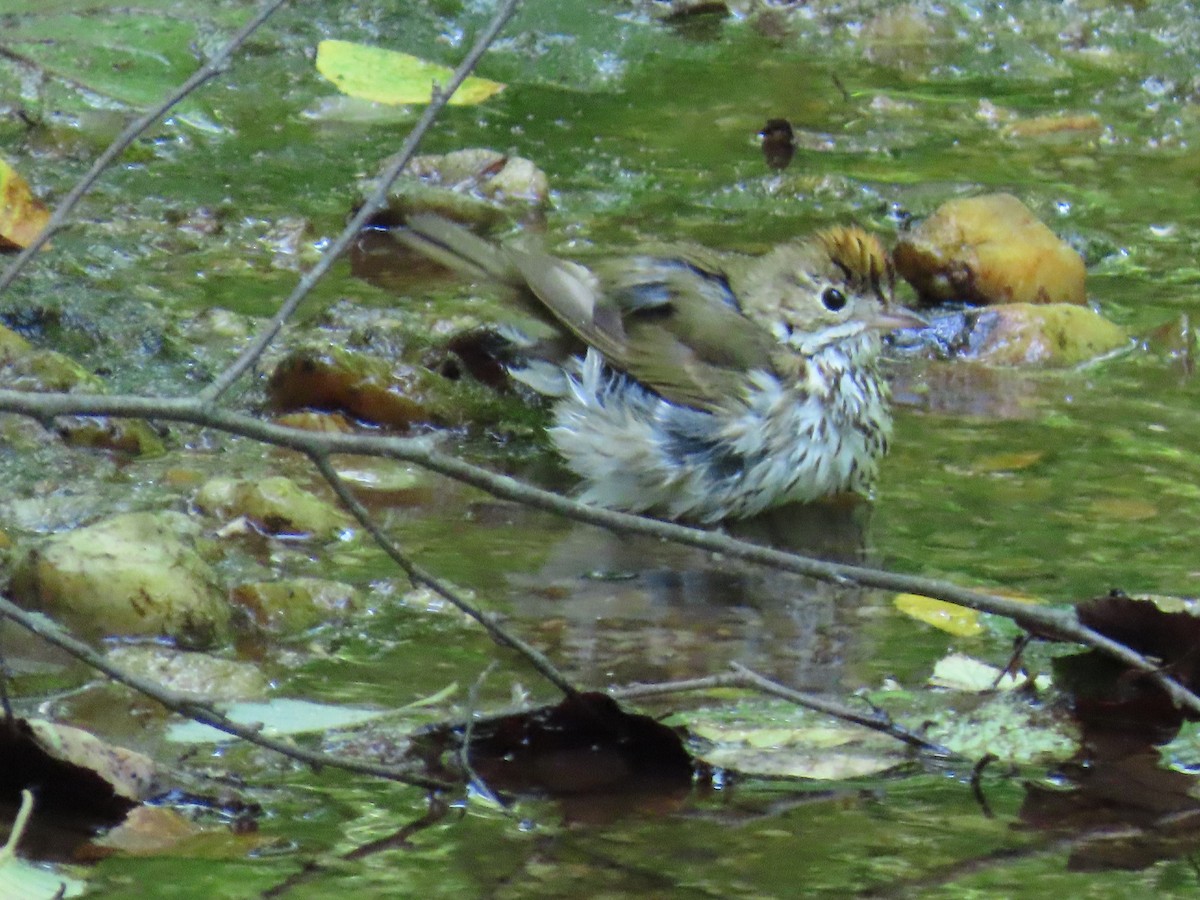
column 24, row 367
column 197, row 676
column 1054, row 335
column 294, row 604
column 276, row 504
column 989, row 250
column 132, row 574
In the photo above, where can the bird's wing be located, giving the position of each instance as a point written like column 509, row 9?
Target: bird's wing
column 669, row 321
column 671, row 325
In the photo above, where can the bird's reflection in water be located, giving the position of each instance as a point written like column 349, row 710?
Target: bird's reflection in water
column 617, row 609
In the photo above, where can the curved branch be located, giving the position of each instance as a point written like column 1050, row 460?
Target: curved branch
column 499, row 633
column 1061, row 623
column 132, row 132
column 52, row 633
column 441, row 96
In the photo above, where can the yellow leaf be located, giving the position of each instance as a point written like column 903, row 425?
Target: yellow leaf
column 957, row 620
column 964, row 673
column 1124, row 509
column 387, row 76
column 22, row 215
column 1007, row 462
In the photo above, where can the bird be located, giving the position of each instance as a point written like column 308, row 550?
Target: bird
column 702, row 386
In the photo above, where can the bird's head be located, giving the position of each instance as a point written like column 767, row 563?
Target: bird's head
column 833, row 286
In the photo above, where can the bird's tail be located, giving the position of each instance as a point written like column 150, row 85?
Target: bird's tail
column 456, row 248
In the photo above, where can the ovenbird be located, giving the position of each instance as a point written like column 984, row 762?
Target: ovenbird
column 698, row 386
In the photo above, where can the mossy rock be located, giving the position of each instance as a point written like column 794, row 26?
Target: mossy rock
column 132, row 574
column 275, row 504
column 989, row 250
column 24, row 367
column 295, row 604
column 1026, row 334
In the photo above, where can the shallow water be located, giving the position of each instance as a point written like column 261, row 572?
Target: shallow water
column 1056, row 485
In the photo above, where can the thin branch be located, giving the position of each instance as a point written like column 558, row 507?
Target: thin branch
column 682, row 686
column 1061, row 623
column 464, row 749
column 132, row 132
column 499, row 633
column 743, row 677
column 875, row 721
column 52, row 633
column 378, row 198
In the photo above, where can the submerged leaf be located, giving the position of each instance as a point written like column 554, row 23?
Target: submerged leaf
column 1009, row 726
column 956, row 620
column 816, row 752
column 280, row 716
column 964, row 673
column 387, row 76
column 585, row 745
column 19, row 878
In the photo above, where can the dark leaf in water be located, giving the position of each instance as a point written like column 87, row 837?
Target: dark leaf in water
column 479, row 353
column 79, row 783
column 697, row 19
column 1128, row 810
column 778, row 143
column 67, row 768
column 585, row 745
column 1165, row 630
column 1108, row 694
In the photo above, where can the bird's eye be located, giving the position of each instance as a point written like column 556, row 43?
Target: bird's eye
column 833, row 299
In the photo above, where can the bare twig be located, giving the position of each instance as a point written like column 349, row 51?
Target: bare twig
column 876, row 721
column 499, row 633
column 378, row 197
column 213, row 67
column 52, row 633
column 9, row 850
column 464, row 750
column 977, row 784
column 1062, row 623
column 682, row 686
column 745, row 678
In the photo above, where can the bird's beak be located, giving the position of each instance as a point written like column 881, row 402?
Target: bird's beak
column 897, row 319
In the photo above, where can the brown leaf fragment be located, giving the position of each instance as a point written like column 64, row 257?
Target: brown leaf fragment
column 73, row 771
column 22, row 215
column 1164, row 629
column 778, row 143
column 148, row 831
